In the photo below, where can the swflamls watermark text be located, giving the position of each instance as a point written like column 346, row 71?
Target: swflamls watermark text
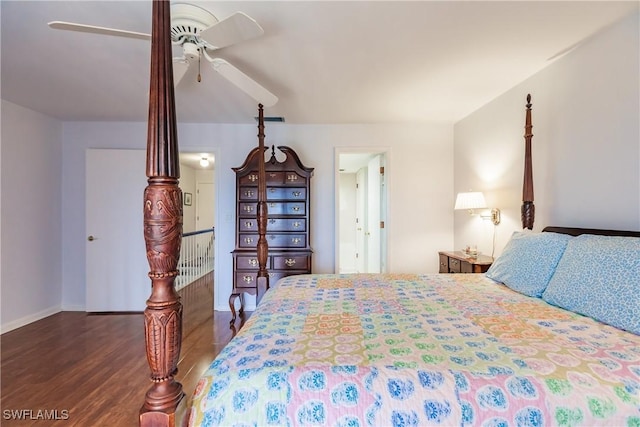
column 35, row 414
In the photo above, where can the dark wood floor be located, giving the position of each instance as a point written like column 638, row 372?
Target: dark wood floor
column 92, row 368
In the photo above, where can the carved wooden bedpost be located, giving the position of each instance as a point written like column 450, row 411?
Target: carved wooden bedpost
column 528, row 210
column 262, row 246
column 162, row 232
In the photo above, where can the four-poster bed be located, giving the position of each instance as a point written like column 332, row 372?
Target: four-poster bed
column 394, row 349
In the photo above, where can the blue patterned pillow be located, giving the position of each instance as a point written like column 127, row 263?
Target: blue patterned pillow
column 528, row 261
column 599, row 276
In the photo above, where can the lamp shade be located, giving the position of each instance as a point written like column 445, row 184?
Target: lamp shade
column 470, row 200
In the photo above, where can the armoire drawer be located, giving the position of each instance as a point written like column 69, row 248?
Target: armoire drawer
column 291, row 262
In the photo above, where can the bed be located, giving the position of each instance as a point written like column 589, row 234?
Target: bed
column 521, row 345
column 382, row 350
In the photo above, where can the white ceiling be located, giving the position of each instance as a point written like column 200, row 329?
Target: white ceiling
column 327, row 61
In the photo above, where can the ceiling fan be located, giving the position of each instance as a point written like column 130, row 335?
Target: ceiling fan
column 199, row 33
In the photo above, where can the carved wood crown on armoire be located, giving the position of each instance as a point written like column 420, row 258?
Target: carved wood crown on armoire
column 288, row 222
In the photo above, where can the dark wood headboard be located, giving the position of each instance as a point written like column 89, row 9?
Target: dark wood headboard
column 578, row 231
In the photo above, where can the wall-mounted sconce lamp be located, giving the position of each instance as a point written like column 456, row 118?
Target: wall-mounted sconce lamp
column 475, row 200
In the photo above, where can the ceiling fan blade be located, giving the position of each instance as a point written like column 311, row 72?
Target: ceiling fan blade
column 70, row 26
column 231, row 30
column 180, row 67
column 244, row 82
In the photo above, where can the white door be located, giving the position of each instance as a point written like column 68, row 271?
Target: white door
column 116, row 261
column 373, row 215
column 204, row 205
column 361, row 220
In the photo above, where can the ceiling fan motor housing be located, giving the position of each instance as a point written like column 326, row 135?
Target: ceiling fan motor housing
column 187, row 20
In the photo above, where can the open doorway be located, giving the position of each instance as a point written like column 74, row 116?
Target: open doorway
column 361, row 214
column 195, row 282
column 197, row 185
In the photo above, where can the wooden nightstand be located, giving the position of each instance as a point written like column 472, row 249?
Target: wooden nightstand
column 459, row 262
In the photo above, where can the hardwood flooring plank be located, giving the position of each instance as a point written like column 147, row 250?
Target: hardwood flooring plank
column 94, row 366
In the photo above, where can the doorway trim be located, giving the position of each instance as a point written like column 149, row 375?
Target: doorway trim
column 338, row 151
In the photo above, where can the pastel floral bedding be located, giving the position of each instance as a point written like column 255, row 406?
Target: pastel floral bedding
column 414, row 350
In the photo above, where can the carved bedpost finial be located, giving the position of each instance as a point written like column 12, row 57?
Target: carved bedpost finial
column 528, row 208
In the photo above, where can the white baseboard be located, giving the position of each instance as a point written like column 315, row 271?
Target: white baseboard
column 73, row 307
column 15, row 324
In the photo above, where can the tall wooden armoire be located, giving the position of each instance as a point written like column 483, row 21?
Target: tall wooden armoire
column 288, row 196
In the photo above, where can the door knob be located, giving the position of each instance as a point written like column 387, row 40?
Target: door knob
column 91, row 238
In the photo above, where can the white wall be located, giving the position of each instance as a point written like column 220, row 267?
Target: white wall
column 586, row 143
column 188, row 185
column 31, row 242
column 419, row 178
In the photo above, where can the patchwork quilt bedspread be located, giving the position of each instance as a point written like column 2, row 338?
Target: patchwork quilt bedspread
column 414, row 350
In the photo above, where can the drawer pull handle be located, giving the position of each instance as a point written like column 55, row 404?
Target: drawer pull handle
column 248, row 240
column 272, row 205
column 272, row 175
column 297, row 224
column 297, row 193
column 248, row 224
column 248, row 208
column 272, row 190
column 290, row 262
column 253, row 177
column 270, row 274
column 296, row 208
column 292, row 177
column 272, row 221
column 295, row 240
column 253, row 262
column 248, row 193
column 247, row 279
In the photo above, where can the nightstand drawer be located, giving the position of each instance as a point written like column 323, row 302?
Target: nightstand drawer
column 459, row 262
column 444, row 264
column 454, row 265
